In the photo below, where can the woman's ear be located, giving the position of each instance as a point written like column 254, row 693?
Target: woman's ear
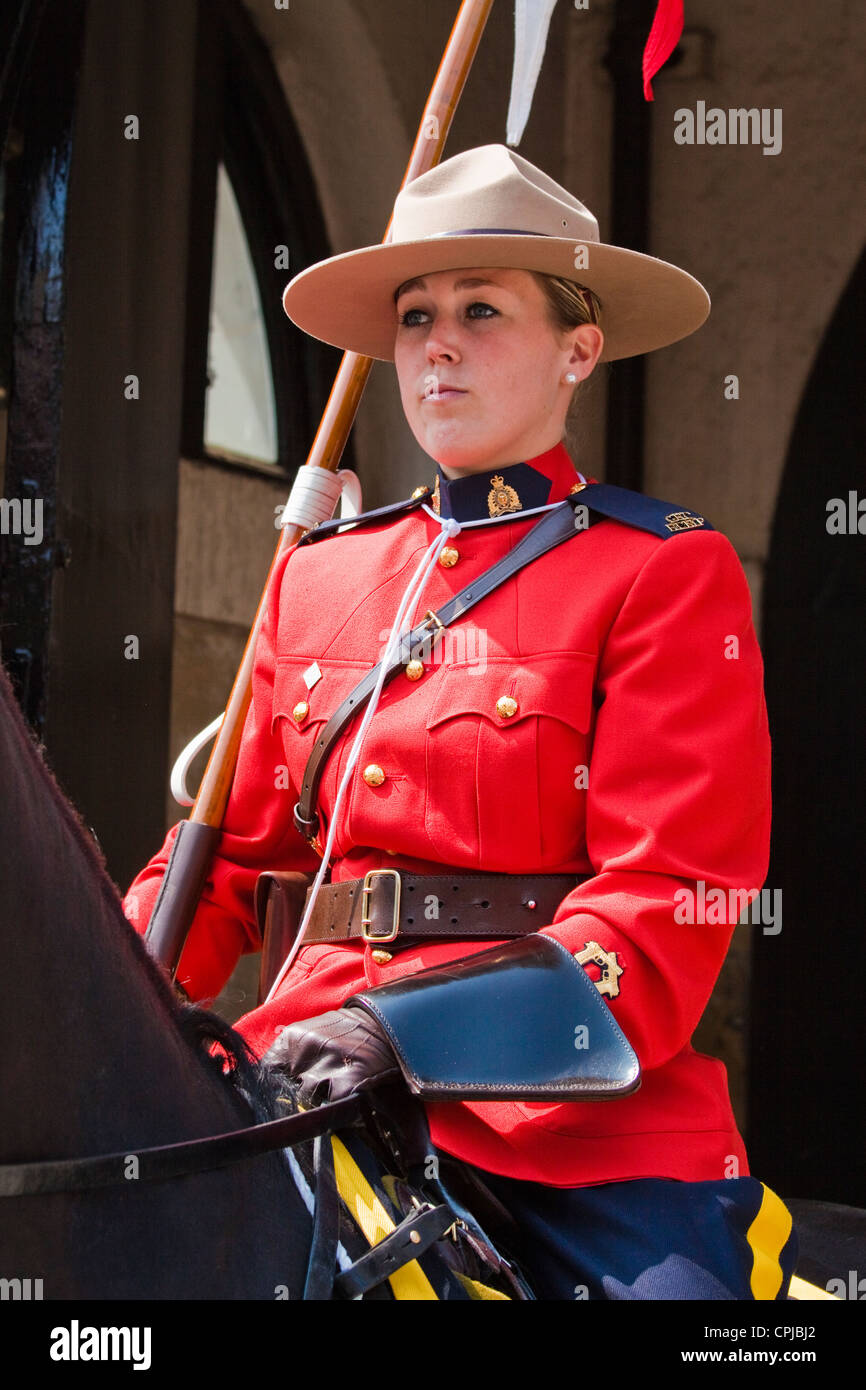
column 587, row 344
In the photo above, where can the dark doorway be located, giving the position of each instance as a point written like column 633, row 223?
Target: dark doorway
column 807, row 1011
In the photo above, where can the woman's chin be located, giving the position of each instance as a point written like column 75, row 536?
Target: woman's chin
column 456, row 456
column 455, row 466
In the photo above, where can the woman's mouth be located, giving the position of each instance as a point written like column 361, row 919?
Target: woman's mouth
column 441, row 391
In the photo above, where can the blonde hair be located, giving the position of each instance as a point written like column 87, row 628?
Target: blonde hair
column 570, row 304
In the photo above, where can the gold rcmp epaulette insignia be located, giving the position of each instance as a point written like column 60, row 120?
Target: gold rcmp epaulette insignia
column 502, row 497
column 683, row 521
column 608, row 965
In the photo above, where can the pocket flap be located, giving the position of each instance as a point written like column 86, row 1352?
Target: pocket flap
column 303, row 708
column 557, row 685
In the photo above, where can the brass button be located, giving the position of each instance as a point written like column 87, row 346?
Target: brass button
column 300, row 712
column 382, row 957
column 415, row 670
column 506, row 706
column 373, row 775
column 448, row 557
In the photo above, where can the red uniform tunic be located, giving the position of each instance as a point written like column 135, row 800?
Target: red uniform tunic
column 638, row 754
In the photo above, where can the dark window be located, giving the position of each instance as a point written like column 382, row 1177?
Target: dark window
column 256, row 386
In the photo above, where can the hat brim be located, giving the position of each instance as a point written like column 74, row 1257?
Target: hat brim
column 348, row 300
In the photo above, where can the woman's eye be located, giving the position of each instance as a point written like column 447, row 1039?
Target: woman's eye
column 411, row 318
column 486, row 310
column 416, row 318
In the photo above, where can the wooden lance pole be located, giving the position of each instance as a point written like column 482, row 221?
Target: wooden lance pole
column 198, row 837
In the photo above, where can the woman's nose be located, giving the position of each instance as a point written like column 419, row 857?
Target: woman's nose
column 442, row 340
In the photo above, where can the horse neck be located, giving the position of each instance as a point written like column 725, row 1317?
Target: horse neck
column 93, row 1054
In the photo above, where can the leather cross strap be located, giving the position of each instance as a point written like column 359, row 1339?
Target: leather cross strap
column 554, row 527
column 391, row 903
column 408, row 1241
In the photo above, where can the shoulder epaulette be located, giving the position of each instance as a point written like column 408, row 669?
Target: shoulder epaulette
column 663, row 519
column 329, row 528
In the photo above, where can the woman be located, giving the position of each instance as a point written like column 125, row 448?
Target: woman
column 599, row 716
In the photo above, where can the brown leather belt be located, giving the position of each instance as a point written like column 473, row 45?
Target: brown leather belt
column 395, row 908
column 388, row 903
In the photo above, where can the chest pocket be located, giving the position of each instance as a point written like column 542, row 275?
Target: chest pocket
column 301, row 713
column 507, row 745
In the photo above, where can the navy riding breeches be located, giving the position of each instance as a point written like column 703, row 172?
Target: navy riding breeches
column 651, row 1238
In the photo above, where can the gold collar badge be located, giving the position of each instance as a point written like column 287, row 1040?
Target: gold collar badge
column 502, row 498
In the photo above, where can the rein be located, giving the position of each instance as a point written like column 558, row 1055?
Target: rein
column 167, row 1161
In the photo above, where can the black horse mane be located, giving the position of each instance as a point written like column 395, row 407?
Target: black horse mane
column 231, row 1057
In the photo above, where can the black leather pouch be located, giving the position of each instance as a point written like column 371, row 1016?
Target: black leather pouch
column 522, row 1021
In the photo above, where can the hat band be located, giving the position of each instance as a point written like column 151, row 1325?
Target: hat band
column 487, row 231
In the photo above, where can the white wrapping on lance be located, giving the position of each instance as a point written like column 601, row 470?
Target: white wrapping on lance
column 316, row 492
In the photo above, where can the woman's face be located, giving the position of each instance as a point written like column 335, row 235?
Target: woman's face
column 481, row 367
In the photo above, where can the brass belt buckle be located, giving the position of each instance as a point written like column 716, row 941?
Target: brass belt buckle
column 365, row 906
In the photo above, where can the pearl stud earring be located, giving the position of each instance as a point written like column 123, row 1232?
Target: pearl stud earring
column 570, row 378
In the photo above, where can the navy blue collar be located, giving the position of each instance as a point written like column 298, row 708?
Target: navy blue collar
column 517, row 488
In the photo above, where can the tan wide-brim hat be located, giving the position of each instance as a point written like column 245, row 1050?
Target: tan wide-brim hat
column 489, row 207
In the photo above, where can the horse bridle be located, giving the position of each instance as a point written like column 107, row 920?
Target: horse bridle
column 406, row 1242
column 166, row 1161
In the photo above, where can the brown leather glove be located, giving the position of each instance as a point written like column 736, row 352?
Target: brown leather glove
column 334, row 1055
